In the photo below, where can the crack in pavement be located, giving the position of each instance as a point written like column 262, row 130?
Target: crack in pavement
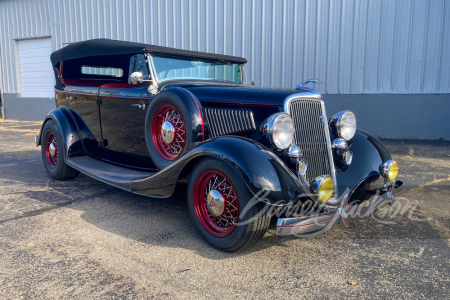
column 32, row 191
column 37, row 212
column 40, row 211
column 429, row 183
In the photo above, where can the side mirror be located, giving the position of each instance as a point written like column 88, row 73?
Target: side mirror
column 136, row 77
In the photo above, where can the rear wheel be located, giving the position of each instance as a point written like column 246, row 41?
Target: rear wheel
column 53, row 155
column 216, row 198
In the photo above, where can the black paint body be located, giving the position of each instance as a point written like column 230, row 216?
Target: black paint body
column 123, row 117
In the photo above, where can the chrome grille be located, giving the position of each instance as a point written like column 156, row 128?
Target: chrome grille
column 223, row 121
column 311, row 136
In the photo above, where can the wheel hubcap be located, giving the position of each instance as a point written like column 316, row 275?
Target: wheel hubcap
column 167, row 132
column 216, row 203
column 51, row 150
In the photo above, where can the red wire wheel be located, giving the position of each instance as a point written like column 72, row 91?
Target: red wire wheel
column 168, row 115
column 51, row 150
column 216, row 203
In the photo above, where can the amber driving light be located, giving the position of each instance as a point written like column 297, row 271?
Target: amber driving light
column 323, row 186
column 389, row 169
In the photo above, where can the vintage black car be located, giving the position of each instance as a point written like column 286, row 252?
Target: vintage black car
column 144, row 118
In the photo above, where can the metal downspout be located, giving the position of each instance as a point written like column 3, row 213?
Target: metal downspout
column 1, row 86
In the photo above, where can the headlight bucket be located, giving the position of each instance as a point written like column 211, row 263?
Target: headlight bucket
column 323, row 186
column 389, row 169
column 278, row 129
column 343, row 124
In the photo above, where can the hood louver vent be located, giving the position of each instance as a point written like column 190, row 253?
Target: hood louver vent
column 226, row 121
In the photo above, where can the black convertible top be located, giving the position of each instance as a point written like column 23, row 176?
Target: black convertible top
column 99, row 47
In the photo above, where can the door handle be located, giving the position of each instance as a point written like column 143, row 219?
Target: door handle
column 139, row 105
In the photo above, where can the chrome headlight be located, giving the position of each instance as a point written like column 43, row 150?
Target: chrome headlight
column 344, row 124
column 278, row 129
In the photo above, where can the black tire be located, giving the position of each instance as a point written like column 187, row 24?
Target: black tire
column 242, row 236
column 159, row 101
column 60, row 170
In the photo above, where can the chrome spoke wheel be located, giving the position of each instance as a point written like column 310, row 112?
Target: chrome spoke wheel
column 216, row 203
column 168, row 132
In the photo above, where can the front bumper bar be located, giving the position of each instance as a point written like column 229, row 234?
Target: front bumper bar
column 322, row 222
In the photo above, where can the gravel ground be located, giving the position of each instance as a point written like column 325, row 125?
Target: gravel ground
column 84, row 239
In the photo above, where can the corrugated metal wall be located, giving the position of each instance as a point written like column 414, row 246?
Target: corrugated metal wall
column 378, row 46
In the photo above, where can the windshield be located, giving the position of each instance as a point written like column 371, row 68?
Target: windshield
column 175, row 67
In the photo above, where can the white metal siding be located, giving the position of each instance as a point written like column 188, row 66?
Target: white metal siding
column 377, row 46
column 36, row 74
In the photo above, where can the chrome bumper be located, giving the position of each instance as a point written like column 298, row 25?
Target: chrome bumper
column 321, row 223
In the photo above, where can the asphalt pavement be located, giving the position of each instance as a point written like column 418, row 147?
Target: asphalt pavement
column 83, row 239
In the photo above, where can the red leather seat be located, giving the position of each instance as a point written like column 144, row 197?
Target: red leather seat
column 99, row 83
column 79, row 82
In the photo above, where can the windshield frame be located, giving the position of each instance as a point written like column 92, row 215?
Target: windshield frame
column 157, row 81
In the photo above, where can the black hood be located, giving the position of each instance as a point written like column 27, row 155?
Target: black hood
column 239, row 94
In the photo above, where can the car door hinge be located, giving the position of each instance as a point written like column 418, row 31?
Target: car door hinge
column 98, row 100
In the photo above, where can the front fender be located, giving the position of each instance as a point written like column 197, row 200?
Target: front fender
column 71, row 139
column 368, row 154
column 258, row 167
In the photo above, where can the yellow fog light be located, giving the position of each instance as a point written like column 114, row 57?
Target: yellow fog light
column 389, row 169
column 323, row 186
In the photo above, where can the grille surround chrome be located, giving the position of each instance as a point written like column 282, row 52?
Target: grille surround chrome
column 314, row 97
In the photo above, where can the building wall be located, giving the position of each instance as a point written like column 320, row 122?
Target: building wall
column 375, row 47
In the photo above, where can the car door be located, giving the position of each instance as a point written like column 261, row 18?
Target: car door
column 123, row 110
column 82, row 101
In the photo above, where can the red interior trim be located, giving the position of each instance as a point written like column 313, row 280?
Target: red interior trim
column 78, row 82
column 59, row 75
column 61, row 68
column 98, row 83
column 117, row 85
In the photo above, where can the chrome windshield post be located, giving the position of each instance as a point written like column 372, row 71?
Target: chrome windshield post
column 242, row 67
column 151, row 68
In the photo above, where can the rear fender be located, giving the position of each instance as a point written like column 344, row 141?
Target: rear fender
column 258, row 167
column 72, row 143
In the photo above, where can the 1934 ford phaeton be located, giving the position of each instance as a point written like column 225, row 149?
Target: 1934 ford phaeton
column 142, row 117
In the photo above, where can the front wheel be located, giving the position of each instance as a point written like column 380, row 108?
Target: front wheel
column 216, row 198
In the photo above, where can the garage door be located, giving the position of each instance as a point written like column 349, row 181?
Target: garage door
column 36, row 71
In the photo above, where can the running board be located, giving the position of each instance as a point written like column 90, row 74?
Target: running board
column 105, row 172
